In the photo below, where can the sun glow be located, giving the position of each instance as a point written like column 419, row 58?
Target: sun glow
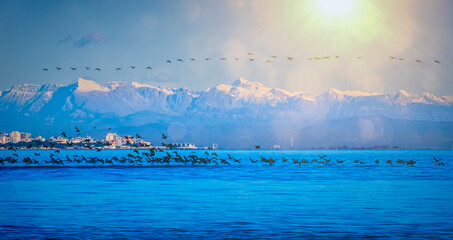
column 336, row 7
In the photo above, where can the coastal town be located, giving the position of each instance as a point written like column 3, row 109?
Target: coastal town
column 21, row 141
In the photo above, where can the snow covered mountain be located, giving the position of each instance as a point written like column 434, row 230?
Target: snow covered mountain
column 245, row 107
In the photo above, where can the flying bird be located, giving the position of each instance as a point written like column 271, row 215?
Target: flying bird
column 58, row 68
column 192, row 59
column 149, row 67
column 267, row 61
column 88, row 68
column 419, row 61
column 436, row 61
column 164, row 136
column 77, row 129
column 117, row 69
column 97, row 69
column 251, row 59
column 290, row 58
column 168, row 61
column 45, row 69
column 223, row 59
column 207, row 59
column 133, row 67
column 337, row 56
column 73, row 68
column 250, row 53
column 179, row 60
column 274, row 56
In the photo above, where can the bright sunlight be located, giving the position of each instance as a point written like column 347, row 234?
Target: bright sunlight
column 336, row 7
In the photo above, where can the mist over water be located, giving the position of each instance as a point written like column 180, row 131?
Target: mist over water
column 242, row 200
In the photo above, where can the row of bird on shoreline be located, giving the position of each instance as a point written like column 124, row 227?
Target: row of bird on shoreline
column 138, row 158
column 150, row 156
column 250, row 58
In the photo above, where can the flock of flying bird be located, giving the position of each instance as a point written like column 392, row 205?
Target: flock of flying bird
column 250, row 58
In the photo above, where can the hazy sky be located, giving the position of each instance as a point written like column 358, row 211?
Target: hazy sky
column 110, row 34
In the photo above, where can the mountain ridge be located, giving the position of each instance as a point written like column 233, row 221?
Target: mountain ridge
column 122, row 105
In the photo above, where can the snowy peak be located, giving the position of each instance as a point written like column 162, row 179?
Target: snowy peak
column 90, row 86
column 241, row 82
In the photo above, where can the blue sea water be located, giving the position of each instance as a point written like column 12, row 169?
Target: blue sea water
column 238, row 201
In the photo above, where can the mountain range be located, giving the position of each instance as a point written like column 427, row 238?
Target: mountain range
column 240, row 115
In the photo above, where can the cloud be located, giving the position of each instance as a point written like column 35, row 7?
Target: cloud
column 91, row 38
column 67, row 39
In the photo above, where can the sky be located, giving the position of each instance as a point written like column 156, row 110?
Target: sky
column 119, row 34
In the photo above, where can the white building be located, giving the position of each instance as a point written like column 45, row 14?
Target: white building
column 38, row 138
column 15, row 136
column 4, row 138
column 118, row 141
column 111, row 137
column 25, row 137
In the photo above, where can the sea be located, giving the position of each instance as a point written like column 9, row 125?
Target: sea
column 351, row 197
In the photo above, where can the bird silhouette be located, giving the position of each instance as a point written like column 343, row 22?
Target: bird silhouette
column 168, row 61
column 251, row 59
column 149, row 67
column 133, row 67
column 401, row 59
column 164, row 136
column 179, row 60
column 73, row 68
column 419, row 61
column 58, row 68
column 290, row 58
column 268, row 61
column 436, row 61
column 87, row 68
column 274, row 56
column 77, row 129
column 117, row 69
column 192, row 59
column 97, row 69
column 257, row 147
column 223, row 59
column 250, row 53
column 337, row 56
column 45, row 69
column 207, row 59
